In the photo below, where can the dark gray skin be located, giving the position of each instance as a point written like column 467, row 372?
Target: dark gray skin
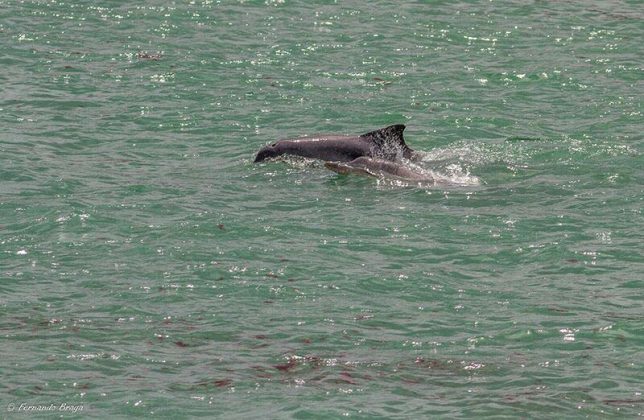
column 386, row 143
column 379, row 168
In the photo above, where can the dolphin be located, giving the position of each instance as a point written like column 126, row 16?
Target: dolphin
column 386, row 143
column 379, row 168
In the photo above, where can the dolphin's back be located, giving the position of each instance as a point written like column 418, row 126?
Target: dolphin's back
column 385, row 143
column 379, row 168
column 328, row 148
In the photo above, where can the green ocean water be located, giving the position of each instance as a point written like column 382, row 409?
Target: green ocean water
column 149, row 268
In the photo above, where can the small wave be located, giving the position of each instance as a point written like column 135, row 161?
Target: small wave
column 457, row 176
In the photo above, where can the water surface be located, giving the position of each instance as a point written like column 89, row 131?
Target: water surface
column 149, row 268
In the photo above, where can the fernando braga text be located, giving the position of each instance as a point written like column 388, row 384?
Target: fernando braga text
column 39, row 408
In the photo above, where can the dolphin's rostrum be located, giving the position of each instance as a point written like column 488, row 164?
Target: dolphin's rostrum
column 386, row 143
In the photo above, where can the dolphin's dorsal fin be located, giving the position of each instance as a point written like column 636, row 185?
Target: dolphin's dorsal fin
column 389, row 136
column 392, row 133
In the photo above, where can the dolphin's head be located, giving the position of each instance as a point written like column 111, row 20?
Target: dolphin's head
column 267, row 152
